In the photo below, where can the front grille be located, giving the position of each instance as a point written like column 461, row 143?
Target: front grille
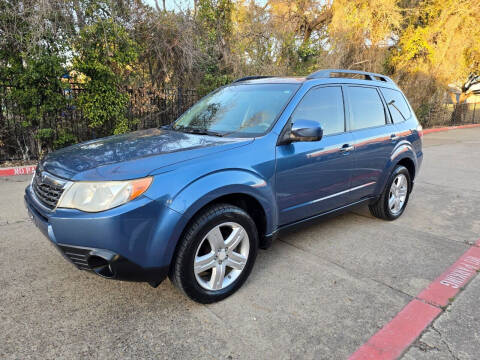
column 76, row 255
column 47, row 188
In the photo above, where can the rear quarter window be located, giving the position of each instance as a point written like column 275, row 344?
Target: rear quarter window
column 397, row 105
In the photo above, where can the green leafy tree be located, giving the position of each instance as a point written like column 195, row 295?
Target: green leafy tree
column 104, row 57
column 31, row 68
column 214, row 18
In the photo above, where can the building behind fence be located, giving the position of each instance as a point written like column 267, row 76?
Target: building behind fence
column 452, row 114
column 22, row 140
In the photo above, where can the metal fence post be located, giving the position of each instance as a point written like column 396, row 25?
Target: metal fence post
column 473, row 115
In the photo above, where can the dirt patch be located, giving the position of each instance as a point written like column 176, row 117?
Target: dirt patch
column 14, row 163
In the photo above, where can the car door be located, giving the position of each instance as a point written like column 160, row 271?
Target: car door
column 374, row 138
column 399, row 112
column 314, row 177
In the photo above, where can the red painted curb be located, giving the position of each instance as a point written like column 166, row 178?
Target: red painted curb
column 446, row 128
column 21, row 170
column 402, row 330
column 396, row 336
column 447, row 285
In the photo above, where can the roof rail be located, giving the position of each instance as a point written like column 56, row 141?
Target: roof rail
column 252, row 78
column 334, row 73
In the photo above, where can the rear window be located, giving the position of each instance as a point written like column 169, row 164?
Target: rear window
column 366, row 107
column 397, row 105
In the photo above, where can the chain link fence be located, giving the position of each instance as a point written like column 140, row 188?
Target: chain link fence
column 27, row 139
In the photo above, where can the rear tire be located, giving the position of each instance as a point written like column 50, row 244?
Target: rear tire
column 394, row 198
column 216, row 253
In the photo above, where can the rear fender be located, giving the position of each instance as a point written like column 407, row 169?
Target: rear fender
column 404, row 149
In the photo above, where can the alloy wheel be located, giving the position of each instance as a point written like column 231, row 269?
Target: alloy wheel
column 397, row 194
column 221, row 256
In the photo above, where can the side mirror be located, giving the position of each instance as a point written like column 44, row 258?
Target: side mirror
column 305, row 130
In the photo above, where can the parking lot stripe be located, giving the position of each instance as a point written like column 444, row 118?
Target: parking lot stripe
column 395, row 337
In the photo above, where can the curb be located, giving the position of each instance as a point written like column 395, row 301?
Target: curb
column 446, row 128
column 395, row 338
column 19, row 170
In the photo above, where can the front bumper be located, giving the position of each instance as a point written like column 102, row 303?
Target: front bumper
column 111, row 265
column 121, row 243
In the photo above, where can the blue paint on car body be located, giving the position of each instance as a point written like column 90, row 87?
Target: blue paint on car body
column 289, row 181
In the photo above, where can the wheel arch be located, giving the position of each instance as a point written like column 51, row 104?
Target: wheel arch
column 403, row 154
column 246, row 202
column 409, row 164
column 239, row 188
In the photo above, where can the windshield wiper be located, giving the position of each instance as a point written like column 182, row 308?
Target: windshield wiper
column 198, row 131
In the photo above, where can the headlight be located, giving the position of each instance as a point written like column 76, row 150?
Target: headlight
column 102, row 195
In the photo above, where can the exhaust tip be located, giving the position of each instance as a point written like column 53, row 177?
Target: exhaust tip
column 100, row 265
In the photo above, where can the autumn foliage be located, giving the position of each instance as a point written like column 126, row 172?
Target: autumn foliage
column 426, row 46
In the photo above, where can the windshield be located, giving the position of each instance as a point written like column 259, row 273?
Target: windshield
column 241, row 109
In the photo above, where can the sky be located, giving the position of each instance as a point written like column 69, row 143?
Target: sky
column 179, row 4
column 172, row 4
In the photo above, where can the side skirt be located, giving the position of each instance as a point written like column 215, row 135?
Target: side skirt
column 268, row 239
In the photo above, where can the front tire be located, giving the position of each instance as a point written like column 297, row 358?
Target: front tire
column 216, row 253
column 394, row 199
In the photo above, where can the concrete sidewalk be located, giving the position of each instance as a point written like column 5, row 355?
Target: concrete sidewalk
column 456, row 333
column 319, row 293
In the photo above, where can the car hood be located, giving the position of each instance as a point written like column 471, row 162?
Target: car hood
column 132, row 155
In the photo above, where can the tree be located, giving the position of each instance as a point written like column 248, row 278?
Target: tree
column 361, row 33
column 214, row 20
column 124, row 52
column 32, row 46
column 300, row 30
column 169, row 52
column 105, row 54
column 438, row 46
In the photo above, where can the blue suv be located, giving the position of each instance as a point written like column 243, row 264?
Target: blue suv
column 195, row 200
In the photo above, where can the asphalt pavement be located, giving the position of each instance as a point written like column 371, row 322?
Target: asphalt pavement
column 319, row 292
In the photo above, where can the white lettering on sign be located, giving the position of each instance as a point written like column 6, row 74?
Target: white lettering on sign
column 462, row 272
column 24, row 170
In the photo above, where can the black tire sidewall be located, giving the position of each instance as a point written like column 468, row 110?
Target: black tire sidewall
column 398, row 170
column 188, row 279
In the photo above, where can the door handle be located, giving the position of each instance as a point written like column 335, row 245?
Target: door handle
column 347, row 148
column 393, row 137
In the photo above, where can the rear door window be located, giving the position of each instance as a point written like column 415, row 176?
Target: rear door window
column 324, row 105
column 396, row 105
column 366, row 107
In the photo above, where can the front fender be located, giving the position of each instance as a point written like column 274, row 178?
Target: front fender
column 402, row 150
column 214, row 185
column 204, row 190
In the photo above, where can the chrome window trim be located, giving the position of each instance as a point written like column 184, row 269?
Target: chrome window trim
column 330, row 196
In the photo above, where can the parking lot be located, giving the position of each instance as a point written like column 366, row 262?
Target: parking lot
column 319, row 292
